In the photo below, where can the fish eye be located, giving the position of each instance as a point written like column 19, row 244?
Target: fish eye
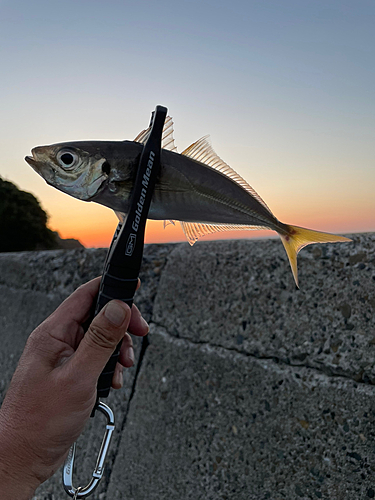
column 68, row 159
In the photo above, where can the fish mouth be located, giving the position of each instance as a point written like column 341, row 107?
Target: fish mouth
column 31, row 161
column 48, row 174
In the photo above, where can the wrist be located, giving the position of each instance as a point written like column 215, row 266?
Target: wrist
column 16, row 476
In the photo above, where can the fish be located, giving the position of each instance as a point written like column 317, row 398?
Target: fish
column 195, row 187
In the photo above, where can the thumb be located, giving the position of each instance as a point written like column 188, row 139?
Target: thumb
column 102, row 337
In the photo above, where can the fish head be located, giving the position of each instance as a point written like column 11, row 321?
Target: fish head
column 74, row 168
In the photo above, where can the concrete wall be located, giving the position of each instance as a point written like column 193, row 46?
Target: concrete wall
column 247, row 389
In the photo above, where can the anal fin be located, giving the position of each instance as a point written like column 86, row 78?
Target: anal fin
column 168, row 223
column 194, row 230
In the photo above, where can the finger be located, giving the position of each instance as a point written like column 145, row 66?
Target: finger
column 101, row 339
column 138, row 325
column 77, row 307
column 126, row 357
column 118, row 378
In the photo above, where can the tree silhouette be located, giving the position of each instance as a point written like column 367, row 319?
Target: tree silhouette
column 22, row 221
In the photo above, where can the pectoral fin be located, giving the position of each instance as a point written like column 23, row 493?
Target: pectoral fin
column 120, row 216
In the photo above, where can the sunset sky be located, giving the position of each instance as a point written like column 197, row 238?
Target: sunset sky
column 284, row 88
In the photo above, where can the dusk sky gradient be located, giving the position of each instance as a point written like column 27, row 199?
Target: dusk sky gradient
column 284, row 88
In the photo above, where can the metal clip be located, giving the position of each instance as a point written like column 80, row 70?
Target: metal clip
column 82, row 492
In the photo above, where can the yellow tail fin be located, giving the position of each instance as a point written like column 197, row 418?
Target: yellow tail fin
column 299, row 237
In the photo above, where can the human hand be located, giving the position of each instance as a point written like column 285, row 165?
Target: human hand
column 53, row 389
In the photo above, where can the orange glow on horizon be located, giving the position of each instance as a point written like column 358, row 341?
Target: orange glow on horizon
column 100, row 235
column 155, row 233
column 317, row 207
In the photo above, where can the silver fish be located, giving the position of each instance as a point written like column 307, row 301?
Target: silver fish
column 196, row 187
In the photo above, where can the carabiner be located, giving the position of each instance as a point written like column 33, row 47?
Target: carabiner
column 82, row 492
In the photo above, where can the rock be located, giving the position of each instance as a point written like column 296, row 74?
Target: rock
column 248, row 389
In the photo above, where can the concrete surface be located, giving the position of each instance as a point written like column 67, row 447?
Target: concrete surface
column 248, row 389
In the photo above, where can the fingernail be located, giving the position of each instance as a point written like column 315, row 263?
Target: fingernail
column 118, row 378
column 115, row 313
column 145, row 324
column 130, row 354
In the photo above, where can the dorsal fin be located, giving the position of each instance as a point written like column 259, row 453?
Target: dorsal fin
column 203, row 152
column 142, row 136
column 194, row 230
column 167, row 139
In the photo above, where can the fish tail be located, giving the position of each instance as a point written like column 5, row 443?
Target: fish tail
column 295, row 238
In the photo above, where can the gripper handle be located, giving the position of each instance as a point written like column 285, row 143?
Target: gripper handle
column 111, row 288
column 120, row 277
